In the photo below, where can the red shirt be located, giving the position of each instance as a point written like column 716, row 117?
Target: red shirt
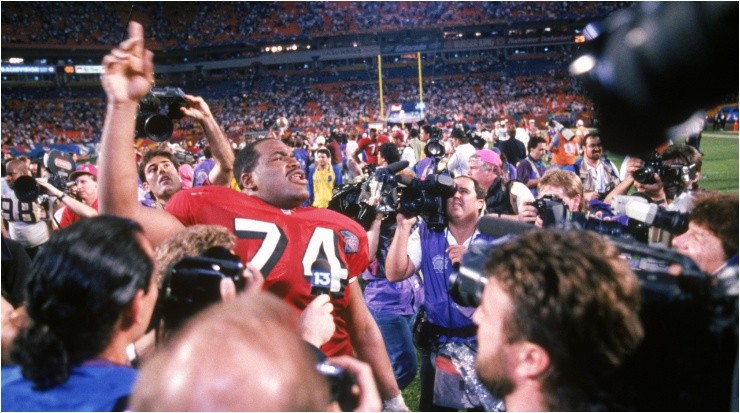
column 69, row 217
column 371, row 148
column 284, row 244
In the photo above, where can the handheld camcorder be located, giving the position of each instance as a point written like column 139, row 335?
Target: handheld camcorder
column 193, row 283
column 60, row 166
column 157, row 110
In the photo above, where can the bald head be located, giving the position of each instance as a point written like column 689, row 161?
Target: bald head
column 241, row 355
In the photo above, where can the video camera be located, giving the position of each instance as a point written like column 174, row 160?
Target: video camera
column 417, row 198
column 60, row 167
column 672, row 173
column 553, row 211
column 434, row 147
column 651, row 264
column 193, row 283
column 427, row 199
column 157, row 110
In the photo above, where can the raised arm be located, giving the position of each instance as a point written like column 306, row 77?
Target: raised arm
column 223, row 155
column 128, row 73
column 398, row 265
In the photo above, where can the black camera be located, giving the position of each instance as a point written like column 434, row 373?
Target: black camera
column 653, row 165
column 434, row 147
column 341, row 383
column 427, row 199
column 477, row 140
column 157, row 110
column 193, row 283
column 60, row 166
column 467, row 283
column 351, row 199
column 551, row 210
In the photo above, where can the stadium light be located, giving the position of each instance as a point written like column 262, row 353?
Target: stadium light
column 15, row 60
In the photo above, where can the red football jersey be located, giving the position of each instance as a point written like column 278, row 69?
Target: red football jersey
column 371, row 148
column 284, row 244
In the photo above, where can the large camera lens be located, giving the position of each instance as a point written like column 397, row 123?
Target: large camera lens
column 158, row 128
column 434, row 149
column 645, row 175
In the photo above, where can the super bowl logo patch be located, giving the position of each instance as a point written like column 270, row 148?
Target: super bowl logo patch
column 351, row 242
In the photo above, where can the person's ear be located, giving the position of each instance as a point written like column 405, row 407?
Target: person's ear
column 133, row 314
column 532, row 361
column 248, row 182
column 145, row 185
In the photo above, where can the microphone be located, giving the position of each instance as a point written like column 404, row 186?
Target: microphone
column 320, row 277
column 499, row 227
column 397, row 167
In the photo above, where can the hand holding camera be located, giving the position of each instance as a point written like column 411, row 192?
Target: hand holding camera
column 363, row 395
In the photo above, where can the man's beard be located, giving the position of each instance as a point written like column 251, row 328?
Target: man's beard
column 494, row 377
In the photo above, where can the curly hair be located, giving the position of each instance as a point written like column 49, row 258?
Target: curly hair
column 719, row 214
column 567, row 180
column 574, row 296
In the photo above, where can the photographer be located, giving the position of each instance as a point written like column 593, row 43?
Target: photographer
column 450, row 330
column 559, row 314
column 558, row 183
column 598, row 174
column 159, row 169
column 393, row 305
column 244, row 355
column 674, row 172
column 86, row 181
column 316, row 324
column 503, row 197
column 711, row 242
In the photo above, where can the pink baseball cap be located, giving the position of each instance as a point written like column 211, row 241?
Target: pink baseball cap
column 488, row 156
column 86, row 168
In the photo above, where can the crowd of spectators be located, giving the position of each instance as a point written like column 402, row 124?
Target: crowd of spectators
column 172, row 24
column 68, row 115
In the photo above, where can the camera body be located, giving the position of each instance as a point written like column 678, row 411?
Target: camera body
column 552, row 210
column 427, row 199
column 653, row 165
column 193, row 283
column 467, row 282
column 157, row 110
column 340, row 382
column 434, row 147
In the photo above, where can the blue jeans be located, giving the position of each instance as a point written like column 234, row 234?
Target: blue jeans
column 396, row 332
